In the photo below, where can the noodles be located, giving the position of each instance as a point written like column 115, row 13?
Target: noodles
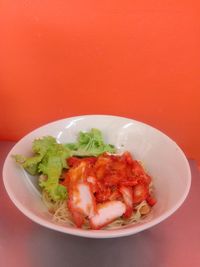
column 58, row 209
column 135, row 218
column 62, row 215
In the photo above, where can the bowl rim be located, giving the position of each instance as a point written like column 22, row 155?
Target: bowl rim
column 97, row 233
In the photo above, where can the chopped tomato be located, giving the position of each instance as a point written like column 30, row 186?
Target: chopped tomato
column 73, row 161
column 100, row 172
column 147, row 179
column 111, row 180
column 137, row 169
column 130, row 182
column 151, row 200
column 103, row 194
column 127, row 157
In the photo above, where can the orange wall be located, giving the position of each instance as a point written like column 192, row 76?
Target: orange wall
column 139, row 59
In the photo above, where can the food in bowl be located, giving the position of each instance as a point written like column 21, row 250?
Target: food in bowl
column 162, row 157
column 88, row 184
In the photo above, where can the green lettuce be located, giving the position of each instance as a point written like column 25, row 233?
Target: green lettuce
column 29, row 164
column 49, row 159
column 90, row 144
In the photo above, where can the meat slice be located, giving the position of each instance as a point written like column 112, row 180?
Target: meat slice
column 81, row 202
column 83, row 199
column 127, row 194
column 106, row 213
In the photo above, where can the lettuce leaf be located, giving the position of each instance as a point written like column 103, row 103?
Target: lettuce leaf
column 49, row 159
column 52, row 166
column 90, row 144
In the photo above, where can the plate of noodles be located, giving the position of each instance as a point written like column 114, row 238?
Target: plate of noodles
column 97, row 176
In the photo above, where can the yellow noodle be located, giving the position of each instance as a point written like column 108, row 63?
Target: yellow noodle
column 61, row 214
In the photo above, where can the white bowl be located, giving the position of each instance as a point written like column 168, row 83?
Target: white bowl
column 162, row 157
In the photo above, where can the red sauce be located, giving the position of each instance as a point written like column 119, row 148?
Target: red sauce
column 113, row 177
